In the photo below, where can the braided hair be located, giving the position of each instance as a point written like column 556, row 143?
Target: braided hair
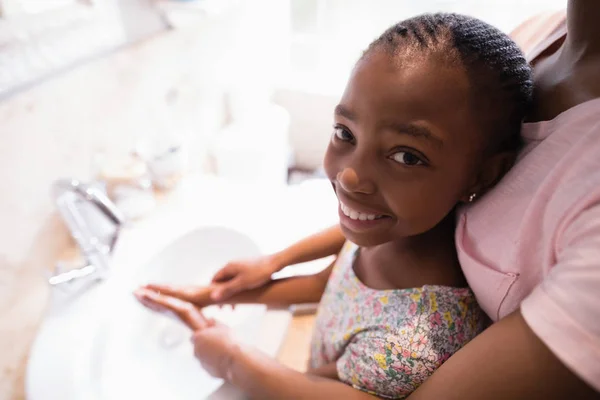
column 500, row 77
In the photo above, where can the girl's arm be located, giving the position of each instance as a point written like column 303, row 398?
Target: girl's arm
column 283, row 292
column 322, row 244
column 249, row 274
column 252, row 371
column 261, row 377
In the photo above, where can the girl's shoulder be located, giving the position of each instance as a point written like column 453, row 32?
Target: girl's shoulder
column 450, row 311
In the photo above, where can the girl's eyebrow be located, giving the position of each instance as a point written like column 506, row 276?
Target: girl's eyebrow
column 345, row 112
column 416, row 131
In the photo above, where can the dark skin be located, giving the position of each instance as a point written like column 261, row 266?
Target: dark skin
column 569, row 76
column 399, row 151
column 485, row 368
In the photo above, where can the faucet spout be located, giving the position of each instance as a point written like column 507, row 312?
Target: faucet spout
column 94, row 221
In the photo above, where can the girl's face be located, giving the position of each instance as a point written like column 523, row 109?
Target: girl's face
column 405, row 147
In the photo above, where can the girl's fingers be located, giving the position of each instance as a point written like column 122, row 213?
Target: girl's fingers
column 185, row 311
column 182, row 293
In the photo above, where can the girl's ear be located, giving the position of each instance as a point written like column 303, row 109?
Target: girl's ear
column 492, row 170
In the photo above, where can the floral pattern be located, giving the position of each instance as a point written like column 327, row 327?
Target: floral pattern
column 387, row 342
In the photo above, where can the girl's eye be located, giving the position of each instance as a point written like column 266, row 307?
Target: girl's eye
column 342, row 134
column 406, row 158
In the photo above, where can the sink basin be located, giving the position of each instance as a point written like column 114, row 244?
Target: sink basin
column 145, row 355
column 103, row 345
column 121, row 350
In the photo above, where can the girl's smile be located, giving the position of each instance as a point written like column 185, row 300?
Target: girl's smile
column 356, row 220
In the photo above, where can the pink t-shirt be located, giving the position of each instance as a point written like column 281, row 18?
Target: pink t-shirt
column 534, row 240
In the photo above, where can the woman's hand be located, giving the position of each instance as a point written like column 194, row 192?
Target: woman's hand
column 241, row 275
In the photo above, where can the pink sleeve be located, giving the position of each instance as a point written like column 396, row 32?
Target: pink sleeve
column 564, row 310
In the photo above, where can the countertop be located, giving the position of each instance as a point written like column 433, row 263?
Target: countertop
column 294, row 351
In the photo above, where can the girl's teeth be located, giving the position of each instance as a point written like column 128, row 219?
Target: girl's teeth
column 355, row 215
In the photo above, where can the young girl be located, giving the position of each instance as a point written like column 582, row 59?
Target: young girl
column 430, row 118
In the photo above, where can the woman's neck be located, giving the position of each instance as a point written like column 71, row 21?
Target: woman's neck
column 583, row 27
column 569, row 77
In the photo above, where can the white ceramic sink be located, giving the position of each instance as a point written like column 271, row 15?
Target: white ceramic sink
column 103, row 345
column 134, row 353
column 145, row 355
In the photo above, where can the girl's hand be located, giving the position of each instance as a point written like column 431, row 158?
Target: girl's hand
column 214, row 345
column 253, row 372
column 241, row 275
column 199, row 296
column 215, row 348
column 185, row 311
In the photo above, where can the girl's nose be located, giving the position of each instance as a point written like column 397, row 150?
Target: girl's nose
column 350, row 182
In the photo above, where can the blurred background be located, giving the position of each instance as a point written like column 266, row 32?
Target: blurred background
column 139, row 93
column 85, row 82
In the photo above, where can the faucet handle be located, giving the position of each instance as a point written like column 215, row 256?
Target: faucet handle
column 74, row 279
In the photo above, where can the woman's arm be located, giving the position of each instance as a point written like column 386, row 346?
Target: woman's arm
column 550, row 347
column 507, row 361
column 325, row 371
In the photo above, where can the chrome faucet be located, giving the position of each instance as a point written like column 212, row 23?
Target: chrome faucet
column 94, row 222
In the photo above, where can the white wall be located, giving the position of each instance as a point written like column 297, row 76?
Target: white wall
column 311, row 121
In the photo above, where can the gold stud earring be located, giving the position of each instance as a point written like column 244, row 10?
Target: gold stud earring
column 472, row 197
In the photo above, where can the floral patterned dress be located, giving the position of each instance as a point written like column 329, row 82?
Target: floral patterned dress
column 387, row 342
